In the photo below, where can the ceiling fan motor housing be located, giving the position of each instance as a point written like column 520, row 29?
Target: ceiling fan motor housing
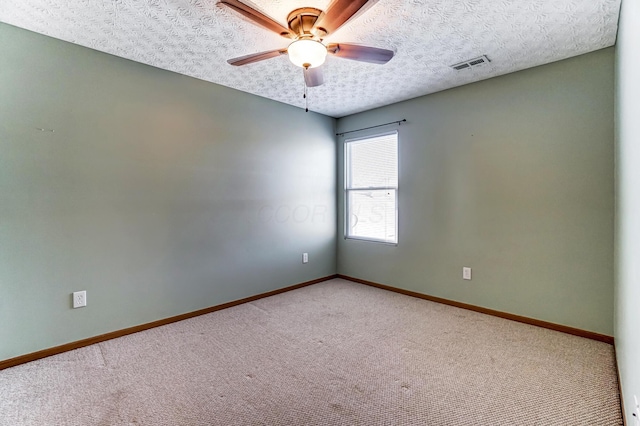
column 301, row 22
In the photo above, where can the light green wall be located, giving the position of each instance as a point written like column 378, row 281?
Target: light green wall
column 512, row 176
column 627, row 295
column 157, row 193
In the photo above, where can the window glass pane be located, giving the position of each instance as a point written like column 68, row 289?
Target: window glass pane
column 372, row 214
column 373, row 162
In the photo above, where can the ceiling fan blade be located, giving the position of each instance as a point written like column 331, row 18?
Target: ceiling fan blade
column 257, row 18
column 256, row 57
column 313, row 76
column 356, row 52
column 340, row 11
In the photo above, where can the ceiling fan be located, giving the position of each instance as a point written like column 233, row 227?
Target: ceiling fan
column 307, row 27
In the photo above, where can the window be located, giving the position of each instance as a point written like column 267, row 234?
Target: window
column 371, row 188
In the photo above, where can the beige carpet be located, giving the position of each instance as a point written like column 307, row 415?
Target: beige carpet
column 335, row 353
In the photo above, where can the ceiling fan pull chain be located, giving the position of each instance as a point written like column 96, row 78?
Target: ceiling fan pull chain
column 306, row 100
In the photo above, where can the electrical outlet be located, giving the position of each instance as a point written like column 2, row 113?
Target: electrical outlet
column 305, row 257
column 79, row 299
column 466, row 273
column 636, row 412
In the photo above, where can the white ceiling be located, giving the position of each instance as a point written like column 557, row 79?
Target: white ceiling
column 196, row 37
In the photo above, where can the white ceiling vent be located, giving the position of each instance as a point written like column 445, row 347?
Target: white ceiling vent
column 471, row 63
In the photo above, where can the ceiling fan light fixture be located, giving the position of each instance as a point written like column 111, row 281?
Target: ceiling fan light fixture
column 307, row 53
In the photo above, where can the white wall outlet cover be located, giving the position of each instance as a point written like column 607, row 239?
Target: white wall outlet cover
column 79, row 299
column 305, row 257
column 466, row 273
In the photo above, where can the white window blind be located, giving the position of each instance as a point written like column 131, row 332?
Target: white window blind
column 371, row 167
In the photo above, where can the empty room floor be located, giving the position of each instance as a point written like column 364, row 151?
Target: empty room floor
column 333, row 353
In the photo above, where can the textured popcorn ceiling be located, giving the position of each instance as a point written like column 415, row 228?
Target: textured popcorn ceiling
column 196, row 37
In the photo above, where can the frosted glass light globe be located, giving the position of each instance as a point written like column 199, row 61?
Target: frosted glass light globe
column 307, row 53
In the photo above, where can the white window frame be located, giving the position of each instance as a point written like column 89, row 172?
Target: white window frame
column 348, row 188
